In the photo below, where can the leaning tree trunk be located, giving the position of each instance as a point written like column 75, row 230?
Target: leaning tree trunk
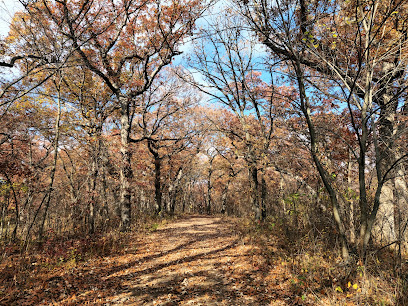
column 336, row 209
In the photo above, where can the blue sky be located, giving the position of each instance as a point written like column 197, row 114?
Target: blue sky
column 7, row 10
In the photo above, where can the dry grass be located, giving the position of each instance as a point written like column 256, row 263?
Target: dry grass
column 314, row 272
column 211, row 261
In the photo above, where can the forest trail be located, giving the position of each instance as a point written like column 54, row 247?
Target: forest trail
column 195, row 260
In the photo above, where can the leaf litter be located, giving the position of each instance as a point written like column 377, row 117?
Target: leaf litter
column 195, row 260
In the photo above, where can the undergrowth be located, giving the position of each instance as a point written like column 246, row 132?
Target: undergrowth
column 21, row 268
column 314, row 271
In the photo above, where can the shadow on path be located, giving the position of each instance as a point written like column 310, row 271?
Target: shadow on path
column 194, row 261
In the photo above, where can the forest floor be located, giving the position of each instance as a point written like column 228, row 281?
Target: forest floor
column 194, row 260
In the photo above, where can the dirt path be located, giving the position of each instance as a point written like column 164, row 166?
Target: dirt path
column 195, row 261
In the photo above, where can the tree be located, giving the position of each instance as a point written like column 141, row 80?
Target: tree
column 166, row 124
column 92, row 104
column 357, row 47
column 30, row 55
column 126, row 44
column 230, row 69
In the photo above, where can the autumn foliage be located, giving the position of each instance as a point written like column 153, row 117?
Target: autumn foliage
column 117, row 115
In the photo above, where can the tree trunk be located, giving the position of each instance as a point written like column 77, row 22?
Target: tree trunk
column 305, row 108
column 186, row 197
column 254, row 185
column 385, row 225
column 401, row 210
column 394, row 194
column 157, row 176
column 126, row 172
column 92, row 189
column 209, row 186
column 174, row 189
column 108, row 169
column 263, row 197
column 105, row 208
column 157, row 185
column 17, row 214
column 3, row 215
column 350, row 199
column 224, row 198
column 54, row 164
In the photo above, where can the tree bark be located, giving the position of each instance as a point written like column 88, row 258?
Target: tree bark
column 263, row 196
column 254, row 185
column 126, row 172
column 350, row 192
column 174, row 190
column 209, row 186
column 400, row 212
column 157, row 176
column 92, row 187
column 224, row 198
column 385, row 225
